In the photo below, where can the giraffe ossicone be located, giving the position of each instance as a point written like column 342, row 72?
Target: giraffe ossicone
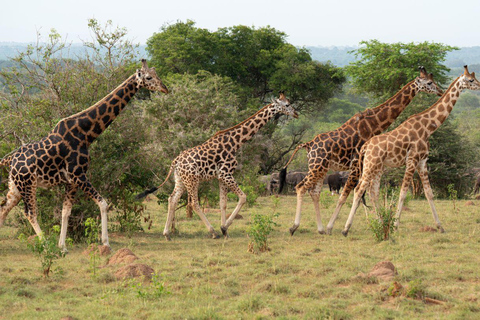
column 62, row 156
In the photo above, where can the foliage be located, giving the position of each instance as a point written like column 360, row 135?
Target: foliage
column 257, row 60
column 383, row 68
column 326, row 199
column 45, row 248
column 382, row 226
column 154, row 290
column 259, row 231
column 92, row 229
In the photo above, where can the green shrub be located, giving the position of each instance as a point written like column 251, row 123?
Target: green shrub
column 259, row 231
column 45, row 248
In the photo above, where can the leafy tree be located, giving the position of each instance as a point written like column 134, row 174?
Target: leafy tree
column 381, row 69
column 257, row 60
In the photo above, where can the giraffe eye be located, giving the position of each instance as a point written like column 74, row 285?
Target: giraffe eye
column 471, row 80
column 430, row 83
column 149, row 78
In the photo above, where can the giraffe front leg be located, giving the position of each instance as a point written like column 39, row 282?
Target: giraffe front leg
column 70, row 191
column 82, row 182
column 232, row 185
column 192, row 189
column 423, row 173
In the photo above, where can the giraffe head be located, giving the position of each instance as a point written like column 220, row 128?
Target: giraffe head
column 282, row 105
column 426, row 84
column 147, row 78
column 468, row 80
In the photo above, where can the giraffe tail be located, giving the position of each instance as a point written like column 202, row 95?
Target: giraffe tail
column 283, row 173
column 152, row 190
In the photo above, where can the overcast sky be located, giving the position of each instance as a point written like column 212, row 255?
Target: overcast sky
column 306, row 22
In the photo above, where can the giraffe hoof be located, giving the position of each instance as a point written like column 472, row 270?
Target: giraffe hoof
column 441, row 229
column 293, row 229
column 322, row 232
column 215, row 236
column 167, row 237
column 224, row 231
column 345, row 233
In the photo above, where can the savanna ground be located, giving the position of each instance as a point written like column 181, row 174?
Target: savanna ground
column 307, row 276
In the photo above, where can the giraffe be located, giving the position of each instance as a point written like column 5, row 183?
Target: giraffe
column 62, row 156
column 215, row 158
column 407, row 145
column 338, row 149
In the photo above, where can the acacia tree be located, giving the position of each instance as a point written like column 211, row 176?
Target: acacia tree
column 382, row 69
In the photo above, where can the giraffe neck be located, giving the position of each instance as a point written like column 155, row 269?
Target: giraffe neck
column 246, row 129
column 386, row 113
column 433, row 117
column 90, row 123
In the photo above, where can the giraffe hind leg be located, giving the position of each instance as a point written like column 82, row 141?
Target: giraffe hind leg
column 12, row 199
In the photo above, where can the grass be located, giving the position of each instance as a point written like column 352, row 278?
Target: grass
column 307, row 276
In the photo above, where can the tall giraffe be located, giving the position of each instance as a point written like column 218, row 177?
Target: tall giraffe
column 62, row 156
column 338, row 149
column 215, row 158
column 407, row 145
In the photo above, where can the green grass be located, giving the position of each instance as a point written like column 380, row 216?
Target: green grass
column 307, row 276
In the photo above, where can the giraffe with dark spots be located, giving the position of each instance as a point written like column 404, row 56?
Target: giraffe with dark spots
column 62, row 156
column 407, row 145
column 215, row 158
column 338, row 149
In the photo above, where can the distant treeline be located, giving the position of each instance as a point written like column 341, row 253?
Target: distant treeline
column 339, row 56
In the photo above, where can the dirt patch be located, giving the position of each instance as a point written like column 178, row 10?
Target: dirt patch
column 384, row 271
column 470, row 203
column 123, row 255
column 100, row 249
column 427, row 229
column 135, row 271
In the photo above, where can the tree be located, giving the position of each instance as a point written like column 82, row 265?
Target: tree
column 381, row 69
column 259, row 61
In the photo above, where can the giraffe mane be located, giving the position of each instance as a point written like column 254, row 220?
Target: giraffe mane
column 241, row 123
column 399, row 92
column 438, row 101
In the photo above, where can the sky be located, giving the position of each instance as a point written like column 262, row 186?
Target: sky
column 306, row 22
